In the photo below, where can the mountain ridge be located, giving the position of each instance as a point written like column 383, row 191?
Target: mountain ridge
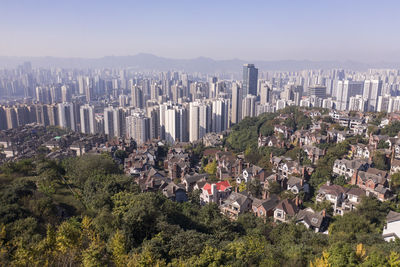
column 151, row 62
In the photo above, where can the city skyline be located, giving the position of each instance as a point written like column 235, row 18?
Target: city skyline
column 284, row 30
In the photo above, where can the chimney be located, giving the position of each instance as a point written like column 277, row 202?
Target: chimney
column 301, row 182
column 214, row 192
column 276, row 178
column 323, row 213
column 240, row 167
column 264, row 195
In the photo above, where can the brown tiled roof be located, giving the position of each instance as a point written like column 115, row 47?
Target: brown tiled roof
column 288, row 207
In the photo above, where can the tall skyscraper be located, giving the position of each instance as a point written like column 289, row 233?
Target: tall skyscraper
column 138, row 127
column 372, row 90
column 265, row 93
column 250, row 77
column 137, row 96
column 66, row 116
column 52, row 112
column 199, row 120
column 11, row 116
column 110, row 124
column 346, row 89
column 383, row 103
column 3, row 119
column 87, row 119
column 174, row 123
column 220, row 115
column 65, row 94
column 194, row 121
column 249, row 106
column 317, row 91
column 236, row 103
column 358, row 103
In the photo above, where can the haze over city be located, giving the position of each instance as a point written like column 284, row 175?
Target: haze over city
column 341, row 30
column 199, row 133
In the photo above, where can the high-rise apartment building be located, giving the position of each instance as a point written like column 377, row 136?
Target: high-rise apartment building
column 249, row 106
column 346, row 89
column 265, row 93
column 372, row 90
column 220, row 115
column 236, row 115
column 137, row 96
column 199, row 120
column 66, row 116
column 317, row 91
column 250, row 78
column 87, row 119
column 138, row 127
column 114, row 121
column 358, row 103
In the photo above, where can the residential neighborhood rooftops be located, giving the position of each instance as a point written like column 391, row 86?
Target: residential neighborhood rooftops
column 221, row 186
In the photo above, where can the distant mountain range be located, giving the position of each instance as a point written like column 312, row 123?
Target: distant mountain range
column 149, row 62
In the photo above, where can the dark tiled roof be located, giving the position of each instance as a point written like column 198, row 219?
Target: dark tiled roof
column 393, row 217
column 288, row 207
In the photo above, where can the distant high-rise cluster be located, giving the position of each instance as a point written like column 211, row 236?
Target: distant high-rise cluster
column 176, row 106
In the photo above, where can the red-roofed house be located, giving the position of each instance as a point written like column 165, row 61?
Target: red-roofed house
column 215, row 192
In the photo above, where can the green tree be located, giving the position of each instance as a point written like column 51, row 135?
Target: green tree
column 379, row 161
column 211, row 167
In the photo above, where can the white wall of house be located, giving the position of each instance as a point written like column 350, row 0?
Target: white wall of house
column 393, row 227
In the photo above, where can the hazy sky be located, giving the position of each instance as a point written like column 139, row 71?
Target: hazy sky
column 359, row 30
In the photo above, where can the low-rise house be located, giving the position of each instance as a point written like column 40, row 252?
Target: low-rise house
column 228, row 165
column 396, row 149
column 286, row 210
column 271, row 141
column 342, row 136
column 375, row 139
column 314, row 153
column 190, row 180
column 394, row 166
column 286, row 167
column 215, row 193
column 353, row 199
column 212, row 139
column 236, row 204
column 251, row 172
column 332, row 193
column 359, row 129
column 284, row 130
column 362, row 151
column 175, row 192
column 275, row 178
column 295, row 184
column 265, row 207
column 391, row 231
column 316, row 221
column 374, row 182
column 347, row 167
column 152, row 181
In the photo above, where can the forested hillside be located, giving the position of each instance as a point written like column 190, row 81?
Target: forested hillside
column 84, row 211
